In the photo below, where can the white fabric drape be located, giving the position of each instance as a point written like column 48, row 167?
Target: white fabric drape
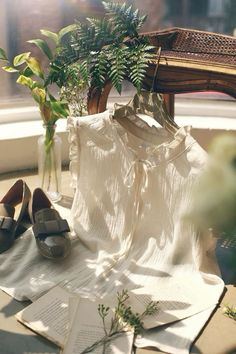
column 131, row 194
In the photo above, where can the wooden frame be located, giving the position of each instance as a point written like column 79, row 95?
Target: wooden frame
column 181, row 71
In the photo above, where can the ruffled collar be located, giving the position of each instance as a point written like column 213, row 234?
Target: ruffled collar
column 136, row 135
column 148, row 141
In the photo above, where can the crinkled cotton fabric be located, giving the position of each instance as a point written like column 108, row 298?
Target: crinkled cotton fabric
column 132, row 191
column 133, row 186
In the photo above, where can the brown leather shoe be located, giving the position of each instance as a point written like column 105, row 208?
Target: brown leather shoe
column 50, row 230
column 13, row 208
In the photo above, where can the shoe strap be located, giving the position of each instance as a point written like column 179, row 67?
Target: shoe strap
column 46, row 214
column 7, row 210
column 7, row 223
column 6, row 217
column 50, row 227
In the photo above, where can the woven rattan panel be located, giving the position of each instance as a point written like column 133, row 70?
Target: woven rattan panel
column 196, row 45
column 199, row 42
column 202, row 57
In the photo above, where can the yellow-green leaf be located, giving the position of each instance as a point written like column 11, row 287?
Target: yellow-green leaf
column 21, row 58
column 39, row 94
column 35, row 66
column 43, row 46
column 59, row 108
column 66, row 30
column 52, row 35
column 37, row 84
column 10, row 69
column 26, row 81
column 3, row 55
column 46, row 112
column 51, row 97
column 27, row 72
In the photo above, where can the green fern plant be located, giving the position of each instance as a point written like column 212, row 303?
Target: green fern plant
column 111, row 48
column 85, row 55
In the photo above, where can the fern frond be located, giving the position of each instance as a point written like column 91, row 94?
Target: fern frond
column 126, row 20
column 77, row 73
column 56, row 75
column 118, row 69
column 104, row 33
column 140, row 57
column 84, row 40
column 99, row 69
column 84, row 71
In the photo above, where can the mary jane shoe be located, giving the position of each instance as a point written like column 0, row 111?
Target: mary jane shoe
column 13, row 209
column 50, row 230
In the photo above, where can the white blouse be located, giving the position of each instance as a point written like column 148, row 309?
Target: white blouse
column 133, row 184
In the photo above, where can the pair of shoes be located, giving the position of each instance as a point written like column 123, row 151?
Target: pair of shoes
column 13, row 208
column 50, row 230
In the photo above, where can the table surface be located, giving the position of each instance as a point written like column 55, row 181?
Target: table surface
column 217, row 337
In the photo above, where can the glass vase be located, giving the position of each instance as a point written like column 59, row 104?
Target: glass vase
column 49, row 162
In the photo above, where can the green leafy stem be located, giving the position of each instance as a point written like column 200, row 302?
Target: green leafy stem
column 124, row 319
column 230, row 311
column 50, row 161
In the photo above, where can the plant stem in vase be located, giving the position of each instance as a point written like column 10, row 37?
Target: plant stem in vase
column 49, row 162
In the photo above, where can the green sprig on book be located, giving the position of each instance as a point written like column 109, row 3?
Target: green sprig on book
column 124, row 320
column 230, row 311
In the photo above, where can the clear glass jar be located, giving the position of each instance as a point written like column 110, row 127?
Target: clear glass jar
column 49, row 162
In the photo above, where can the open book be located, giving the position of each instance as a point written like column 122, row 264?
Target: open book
column 63, row 317
column 52, row 315
column 49, row 316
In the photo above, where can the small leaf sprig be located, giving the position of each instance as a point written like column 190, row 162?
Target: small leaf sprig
column 230, row 311
column 31, row 74
column 124, row 316
column 124, row 320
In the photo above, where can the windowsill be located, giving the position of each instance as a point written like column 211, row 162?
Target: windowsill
column 19, row 130
column 18, row 144
column 18, row 141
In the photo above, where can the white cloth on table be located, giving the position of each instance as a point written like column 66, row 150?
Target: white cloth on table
column 133, row 184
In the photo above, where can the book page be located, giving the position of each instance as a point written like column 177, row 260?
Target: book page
column 87, row 328
column 73, row 304
column 176, row 300
column 48, row 316
column 176, row 337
